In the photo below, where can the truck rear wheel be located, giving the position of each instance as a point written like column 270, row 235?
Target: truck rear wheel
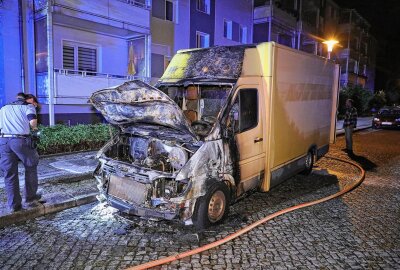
column 213, row 207
column 309, row 163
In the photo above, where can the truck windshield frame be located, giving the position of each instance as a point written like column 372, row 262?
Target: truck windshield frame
column 201, row 103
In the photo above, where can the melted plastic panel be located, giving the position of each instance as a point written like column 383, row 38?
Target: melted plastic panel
column 138, row 102
column 216, row 62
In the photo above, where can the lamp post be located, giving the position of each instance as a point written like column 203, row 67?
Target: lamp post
column 330, row 44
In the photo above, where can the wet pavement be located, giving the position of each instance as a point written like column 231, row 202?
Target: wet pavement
column 360, row 230
column 64, row 180
column 60, row 168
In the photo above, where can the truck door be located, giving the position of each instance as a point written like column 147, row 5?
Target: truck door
column 246, row 113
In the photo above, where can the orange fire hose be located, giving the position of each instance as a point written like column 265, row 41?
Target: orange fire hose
column 255, row 224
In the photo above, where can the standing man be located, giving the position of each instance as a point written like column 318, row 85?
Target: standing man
column 16, row 119
column 349, row 124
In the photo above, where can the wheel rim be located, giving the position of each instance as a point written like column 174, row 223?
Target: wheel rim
column 216, row 206
column 308, row 160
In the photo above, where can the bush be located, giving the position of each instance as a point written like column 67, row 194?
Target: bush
column 359, row 95
column 63, row 139
column 377, row 101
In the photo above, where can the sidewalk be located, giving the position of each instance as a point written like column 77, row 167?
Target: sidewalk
column 362, row 123
column 65, row 180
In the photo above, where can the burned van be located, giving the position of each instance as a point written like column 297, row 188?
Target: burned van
column 221, row 122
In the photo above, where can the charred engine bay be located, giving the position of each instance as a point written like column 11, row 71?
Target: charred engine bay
column 151, row 153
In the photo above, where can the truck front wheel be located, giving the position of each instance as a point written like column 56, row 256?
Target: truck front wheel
column 213, row 207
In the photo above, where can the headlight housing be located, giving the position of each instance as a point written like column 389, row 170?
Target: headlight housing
column 376, row 119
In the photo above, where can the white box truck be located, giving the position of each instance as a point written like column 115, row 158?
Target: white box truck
column 221, row 122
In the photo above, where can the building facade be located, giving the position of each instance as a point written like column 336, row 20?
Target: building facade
column 68, row 49
column 357, row 56
column 306, row 24
column 63, row 50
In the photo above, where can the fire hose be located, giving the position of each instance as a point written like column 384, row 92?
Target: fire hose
column 255, row 224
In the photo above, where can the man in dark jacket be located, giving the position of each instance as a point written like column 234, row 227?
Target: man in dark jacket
column 349, row 124
column 16, row 120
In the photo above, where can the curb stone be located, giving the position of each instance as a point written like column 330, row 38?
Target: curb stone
column 46, row 208
column 68, row 178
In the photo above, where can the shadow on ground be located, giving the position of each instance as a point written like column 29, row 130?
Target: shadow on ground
column 364, row 162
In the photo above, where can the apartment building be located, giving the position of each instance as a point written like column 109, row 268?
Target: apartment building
column 63, row 50
column 293, row 23
column 357, row 56
column 305, row 24
column 68, row 49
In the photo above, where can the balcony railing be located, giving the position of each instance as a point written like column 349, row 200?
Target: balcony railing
column 75, row 87
column 261, row 13
column 137, row 3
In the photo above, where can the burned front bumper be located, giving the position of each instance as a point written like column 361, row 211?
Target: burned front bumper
column 141, row 194
column 132, row 209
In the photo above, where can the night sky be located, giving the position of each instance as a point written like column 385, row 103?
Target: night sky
column 384, row 17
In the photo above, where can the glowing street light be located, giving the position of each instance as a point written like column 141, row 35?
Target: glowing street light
column 330, row 44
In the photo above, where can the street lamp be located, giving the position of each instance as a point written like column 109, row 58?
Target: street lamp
column 330, row 44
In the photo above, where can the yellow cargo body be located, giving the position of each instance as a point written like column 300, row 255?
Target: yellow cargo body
column 298, row 100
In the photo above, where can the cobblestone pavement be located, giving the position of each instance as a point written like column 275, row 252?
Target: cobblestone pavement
column 360, row 230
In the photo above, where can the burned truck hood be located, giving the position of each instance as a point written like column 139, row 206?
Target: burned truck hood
column 223, row 64
column 139, row 108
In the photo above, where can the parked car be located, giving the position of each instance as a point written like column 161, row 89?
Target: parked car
column 387, row 117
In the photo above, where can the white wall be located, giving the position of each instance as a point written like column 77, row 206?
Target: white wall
column 239, row 11
column 112, row 52
column 182, row 27
column 10, row 56
column 109, row 12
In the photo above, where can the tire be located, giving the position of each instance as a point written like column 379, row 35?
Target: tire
column 213, row 207
column 309, row 163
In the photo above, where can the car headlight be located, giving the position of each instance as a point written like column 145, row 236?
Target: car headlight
column 398, row 120
column 376, row 119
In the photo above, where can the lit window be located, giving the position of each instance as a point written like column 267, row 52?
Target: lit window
column 78, row 57
column 203, row 6
column 202, row 40
column 243, row 34
column 228, row 29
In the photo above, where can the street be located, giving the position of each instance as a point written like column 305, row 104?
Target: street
column 360, row 230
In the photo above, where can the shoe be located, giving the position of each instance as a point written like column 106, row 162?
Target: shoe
column 37, row 198
column 15, row 209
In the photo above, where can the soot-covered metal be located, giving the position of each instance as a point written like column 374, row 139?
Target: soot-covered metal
column 157, row 154
column 211, row 63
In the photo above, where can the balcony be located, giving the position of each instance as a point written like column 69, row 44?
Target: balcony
column 130, row 15
column 262, row 13
column 75, row 87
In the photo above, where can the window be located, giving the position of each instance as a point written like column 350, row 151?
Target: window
column 164, row 10
column 204, row 6
column 202, row 40
column 244, row 113
column 243, row 34
column 78, row 57
column 169, row 11
column 228, row 29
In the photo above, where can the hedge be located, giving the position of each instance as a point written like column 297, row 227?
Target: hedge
column 64, row 139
